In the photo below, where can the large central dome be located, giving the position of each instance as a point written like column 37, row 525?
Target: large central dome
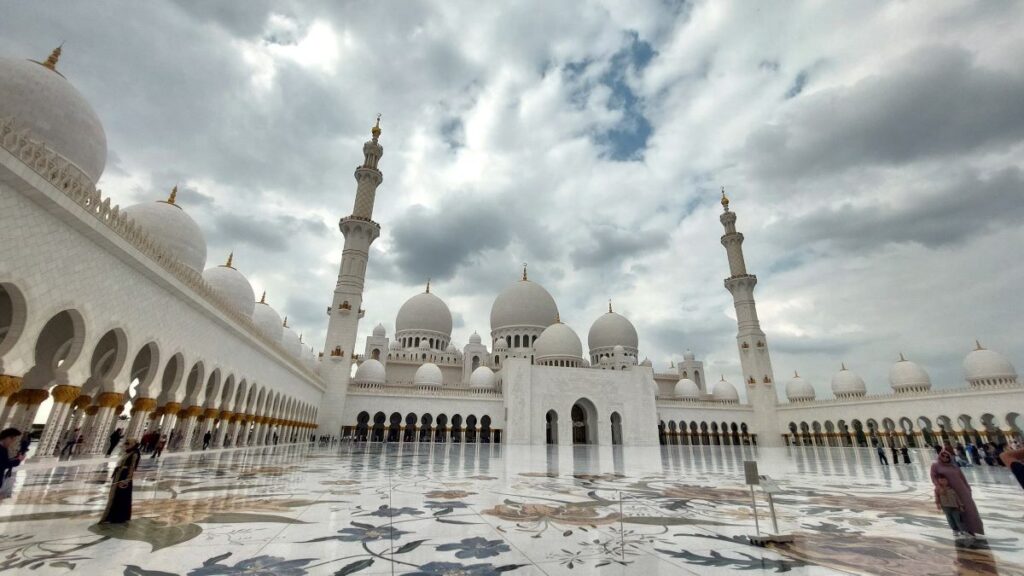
column 424, row 311
column 523, row 304
column 39, row 98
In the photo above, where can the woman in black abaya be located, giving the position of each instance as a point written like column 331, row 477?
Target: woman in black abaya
column 119, row 505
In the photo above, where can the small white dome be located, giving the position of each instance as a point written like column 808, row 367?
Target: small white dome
column 172, row 229
column 558, row 341
column 290, row 341
column 524, row 303
column 647, row 362
column 688, row 355
column 268, row 321
column 475, row 339
column 501, row 345
column 612, row 329
column 424, row 345
column 848, row 383
column 379, row 331
column 687, row 388
column 54, row 112
column 428, row 375
column 451, row 349
column 798, row 389
column 482, row 379
column 231, row 286
column 395, row 345
column 983, row 366
column 370, row 372
column 424, row 311
column 618, row 349
column 906, row 376
column 725, row 392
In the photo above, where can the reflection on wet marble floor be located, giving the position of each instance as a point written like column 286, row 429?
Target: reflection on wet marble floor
column 490, row 509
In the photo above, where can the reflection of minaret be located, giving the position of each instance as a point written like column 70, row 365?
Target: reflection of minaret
column 753, row 346
column 346, row 307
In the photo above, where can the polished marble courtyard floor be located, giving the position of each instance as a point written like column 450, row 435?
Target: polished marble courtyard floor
column 490, row 509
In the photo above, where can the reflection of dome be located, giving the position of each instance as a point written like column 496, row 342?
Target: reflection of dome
column 41, row 100
column 725, row 392
column 267, row 320
column 232, row 287
column 687, row 388
column 379, row 331
column 482, row 379
column 475, row 339
column 558, row 342
column 428, row 375
column 370, row 372
column 987, row 367
column 908, row 376
column 798, row 389
column 424, row 311
column 611, row 329
column 172, row 229
column 524, row 303
column 848, row 383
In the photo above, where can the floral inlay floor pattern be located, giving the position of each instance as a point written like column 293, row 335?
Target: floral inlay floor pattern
column 472, row 509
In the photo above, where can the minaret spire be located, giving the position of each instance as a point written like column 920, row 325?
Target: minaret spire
column 346, row 307
column 755, row 361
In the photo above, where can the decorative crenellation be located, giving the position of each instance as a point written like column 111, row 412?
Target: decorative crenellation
column 73, row 183
column 392, row 390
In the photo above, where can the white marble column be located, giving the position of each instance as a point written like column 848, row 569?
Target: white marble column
column 63, row 396
column 224, row 418
column 141, row 411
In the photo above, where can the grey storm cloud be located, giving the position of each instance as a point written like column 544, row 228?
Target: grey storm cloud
column 957, row 211
column 274, row 234
column 935, row 101
column 611, row 244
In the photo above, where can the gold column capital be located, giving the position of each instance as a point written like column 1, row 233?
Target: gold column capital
column 211, row 413
column 65, row 393
column 225, row 415
column 9, row 385
column 193, row 411
column 143, row 405
column 82, row 401
column 92, row 410
column 33, row 396
column 110, row 399
column 172, row 408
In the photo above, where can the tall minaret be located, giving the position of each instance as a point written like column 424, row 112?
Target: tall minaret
column 347, row 304
column 753, row 346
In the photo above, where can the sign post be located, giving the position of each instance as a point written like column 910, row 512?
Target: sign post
column 769, row 487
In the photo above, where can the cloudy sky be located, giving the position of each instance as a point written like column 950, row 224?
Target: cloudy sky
column 873, row 153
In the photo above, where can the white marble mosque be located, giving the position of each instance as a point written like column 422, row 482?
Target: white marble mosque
column 519, row 451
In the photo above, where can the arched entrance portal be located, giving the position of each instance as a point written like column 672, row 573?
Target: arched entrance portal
column 584, row 421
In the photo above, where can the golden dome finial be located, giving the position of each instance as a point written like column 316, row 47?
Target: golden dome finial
column 375, row 131
column 300, row 339
column 263, row 299
column 977, row 345
column 231, row 258
column 842, row 366
column 524, row 271
column 558, row 318
column 902, row 359
column 285, row 323
column 428, row 285
column 795, row 375
column 609, row 305
column 725, row 200
column 174, row 195
column 51, row 61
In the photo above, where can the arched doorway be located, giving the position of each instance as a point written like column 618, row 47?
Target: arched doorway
column 584, row 420
column 616, row 428
column 551, row 427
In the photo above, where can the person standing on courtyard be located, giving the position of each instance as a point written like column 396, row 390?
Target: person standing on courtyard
column 69, row 443
column 8, row 438
column 972, row 451
column 160, row 444
column 119, row 502
column 115, row 439
column 881, row 455
column 946, row 467
column 206, row 439
column 895, row 454
column 947, row 501
column 906, row 454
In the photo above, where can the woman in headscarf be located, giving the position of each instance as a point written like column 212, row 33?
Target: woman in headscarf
column 119, row 504
column 946, row 467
